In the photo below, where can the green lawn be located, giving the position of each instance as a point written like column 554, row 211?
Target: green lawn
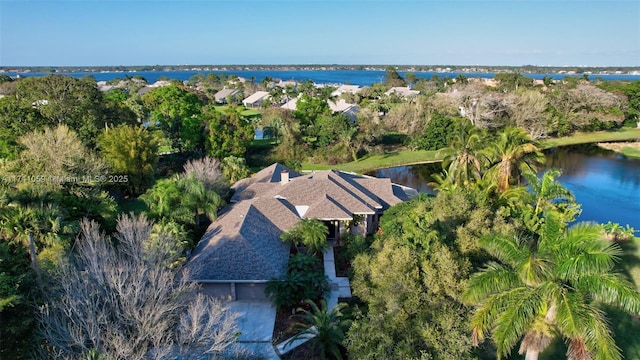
column 409, row 157
column 380, row 161
column 595, row 137
column 630, row 152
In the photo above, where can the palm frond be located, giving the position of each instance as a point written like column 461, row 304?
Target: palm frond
column 517, row 318
column 612, row 289
column 508, row 249
column 493, row 279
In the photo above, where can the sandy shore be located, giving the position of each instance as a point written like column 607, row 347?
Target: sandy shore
column 617, row 146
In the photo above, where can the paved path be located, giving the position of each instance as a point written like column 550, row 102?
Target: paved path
column 339, row 288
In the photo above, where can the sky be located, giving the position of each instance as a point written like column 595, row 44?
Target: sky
column 218, row 32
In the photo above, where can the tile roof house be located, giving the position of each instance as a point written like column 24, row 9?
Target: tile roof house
column 242, row 249
column 222, row 95
column 255, row 99
column 402, row 91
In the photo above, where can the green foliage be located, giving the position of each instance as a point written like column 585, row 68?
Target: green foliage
column 512, row 154
column 130, row 151
column 464, row 159
column 309, row 108
column 182, row 200
column 547, row 285
column 392, row 78
column 17, row 314
column 328, row 328
column 16, row 121
column 305, row 279
column 56, row 159
column 512, row 81
column 177, row 111
column 61, row 99
column 413, row 277
column 438, row 133
column 234, row 168
column 311, row 233
column 229, row 134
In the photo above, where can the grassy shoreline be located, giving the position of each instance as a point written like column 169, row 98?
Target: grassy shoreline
column 409, row 157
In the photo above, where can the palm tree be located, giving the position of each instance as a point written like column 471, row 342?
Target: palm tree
column 548, row 287
column 199, row 199
column 234, row 168
column 325, row 329
column 311, row 233
column 513, row 154
column 464, row 159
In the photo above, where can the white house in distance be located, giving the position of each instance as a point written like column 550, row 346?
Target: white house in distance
column 256, row 99
column 343, row 107
column 402, row 91
column 222, row 95
column 353, row 89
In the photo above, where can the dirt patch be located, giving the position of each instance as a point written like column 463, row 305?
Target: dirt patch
column 618, row 146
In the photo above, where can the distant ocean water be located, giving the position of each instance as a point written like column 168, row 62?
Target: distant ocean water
column 354, row 77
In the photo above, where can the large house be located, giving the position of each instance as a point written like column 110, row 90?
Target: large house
column 242, row 249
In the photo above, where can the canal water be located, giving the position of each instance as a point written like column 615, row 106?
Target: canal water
column 607, row 184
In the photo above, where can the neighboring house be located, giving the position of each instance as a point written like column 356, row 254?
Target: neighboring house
column 341, row 106
column 402, row 91
column 256, row 99
column 291, row 104
column 222, row 95
column 353, row 89
column 284, row 84
column 242, row 249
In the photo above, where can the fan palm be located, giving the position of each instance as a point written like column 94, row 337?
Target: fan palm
column 325, row 329
column 513, row 154
column 550, row 287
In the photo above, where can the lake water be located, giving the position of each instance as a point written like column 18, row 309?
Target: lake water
column 605, row 183
column 354, row 77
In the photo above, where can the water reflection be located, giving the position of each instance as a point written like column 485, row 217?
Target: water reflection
column 605, row 183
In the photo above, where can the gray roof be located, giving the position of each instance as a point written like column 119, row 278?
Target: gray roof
column 244, row 242
column 222, row 94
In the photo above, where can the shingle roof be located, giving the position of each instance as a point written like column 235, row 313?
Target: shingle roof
column 244, row 242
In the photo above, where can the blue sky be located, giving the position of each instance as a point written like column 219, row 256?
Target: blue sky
column 115, row 32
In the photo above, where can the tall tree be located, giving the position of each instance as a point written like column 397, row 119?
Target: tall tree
column 131, row 151
column 327, row 331
column 551, row 285
column 512, row 154
column 178, row 113
column 63, row 99
column 228, row 134
column 56, row 158
column 464, row 159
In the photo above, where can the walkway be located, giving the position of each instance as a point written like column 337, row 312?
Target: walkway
column 340, row 287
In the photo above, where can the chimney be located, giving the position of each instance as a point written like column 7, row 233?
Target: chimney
column 284, row 177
